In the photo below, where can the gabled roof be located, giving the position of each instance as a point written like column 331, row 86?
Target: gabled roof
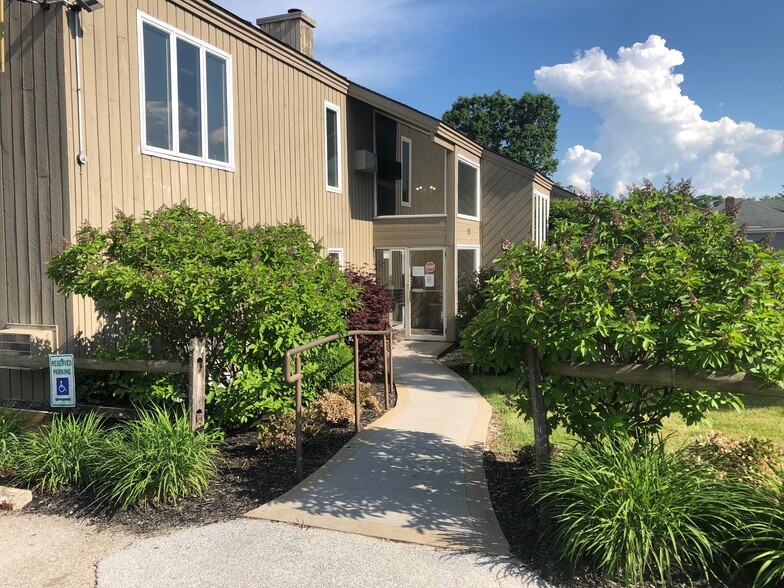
column 759, row 214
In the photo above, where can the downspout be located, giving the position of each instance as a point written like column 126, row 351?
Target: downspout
column 81, row 157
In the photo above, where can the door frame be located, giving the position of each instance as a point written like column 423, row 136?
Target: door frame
column 408, row 334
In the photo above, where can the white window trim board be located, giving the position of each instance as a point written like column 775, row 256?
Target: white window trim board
column 476, row 166
column 174, row 154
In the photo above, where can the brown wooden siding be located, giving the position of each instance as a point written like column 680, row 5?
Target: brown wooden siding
column 32, row 178
column 278, row 100
column 409, row 232
column 506, row 208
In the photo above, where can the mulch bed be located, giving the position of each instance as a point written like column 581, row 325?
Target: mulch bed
column 248, row 477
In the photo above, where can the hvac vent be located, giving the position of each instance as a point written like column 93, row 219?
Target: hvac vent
column 28, row 340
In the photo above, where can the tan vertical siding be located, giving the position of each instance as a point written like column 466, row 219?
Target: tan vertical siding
column 32, row 178
column 278, row 116
column 506, row 207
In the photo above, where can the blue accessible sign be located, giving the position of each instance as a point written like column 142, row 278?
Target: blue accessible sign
column 62, row 389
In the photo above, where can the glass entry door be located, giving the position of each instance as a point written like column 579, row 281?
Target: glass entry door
column 426, row 293
column 391, row 271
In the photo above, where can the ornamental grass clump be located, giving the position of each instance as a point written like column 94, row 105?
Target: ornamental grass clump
column 10, row 430
column 763, row 544
column 65, row 453
column 636, row 511
column 156, row 457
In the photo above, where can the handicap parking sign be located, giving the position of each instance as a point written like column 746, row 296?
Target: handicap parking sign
column 62, row 371
column 62, row 387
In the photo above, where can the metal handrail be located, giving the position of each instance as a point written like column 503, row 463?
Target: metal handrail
column 296, row 378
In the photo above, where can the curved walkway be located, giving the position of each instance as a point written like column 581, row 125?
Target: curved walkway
column 415, row 475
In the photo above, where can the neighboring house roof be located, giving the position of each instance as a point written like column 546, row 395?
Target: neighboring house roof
column 759, row 214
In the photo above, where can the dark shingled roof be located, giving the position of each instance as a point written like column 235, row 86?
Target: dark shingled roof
column 764, row 214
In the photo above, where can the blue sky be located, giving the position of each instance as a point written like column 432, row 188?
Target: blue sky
column 697, row 89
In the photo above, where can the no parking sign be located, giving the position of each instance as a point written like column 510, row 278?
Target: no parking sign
column 62, row 389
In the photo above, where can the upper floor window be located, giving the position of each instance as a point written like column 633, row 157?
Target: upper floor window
column 332, row 140
column 185, row 88
column 405, row 171
column 467, row 189
column 541, row 216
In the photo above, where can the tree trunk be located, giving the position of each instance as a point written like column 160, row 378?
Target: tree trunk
column 538, row 412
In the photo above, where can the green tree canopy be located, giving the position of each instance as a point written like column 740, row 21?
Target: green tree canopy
column 523, row 129
column 251, row 292
column 650, row 279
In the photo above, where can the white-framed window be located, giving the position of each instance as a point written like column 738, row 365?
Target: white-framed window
column 467, row 189
column 332, row 146
column 336, row 254
column 541, row 216
column 186, row 96
column 468, row 262
column 405, row 171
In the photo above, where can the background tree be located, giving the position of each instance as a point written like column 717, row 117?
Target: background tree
column 650, row 279
column 524, row 129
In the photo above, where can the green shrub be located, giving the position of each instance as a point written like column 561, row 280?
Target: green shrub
column 251, row 292
column 66, row 452
column 155, row 457
column 325, row 367
column 638, row 511
column 762, row 546
column 10, row 429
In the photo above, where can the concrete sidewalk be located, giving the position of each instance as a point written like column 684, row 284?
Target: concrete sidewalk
column 414, row 476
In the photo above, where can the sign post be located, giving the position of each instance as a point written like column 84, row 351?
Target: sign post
column 62, row 388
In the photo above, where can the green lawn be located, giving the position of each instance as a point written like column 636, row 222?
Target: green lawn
column 762, row 417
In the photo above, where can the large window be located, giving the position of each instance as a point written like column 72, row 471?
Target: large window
column 541, row 217
column 467, row 189
column 405, row 171
column 185, row 93
column 332, row 140
column 467, row 266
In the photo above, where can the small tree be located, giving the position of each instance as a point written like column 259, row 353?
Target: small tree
column 651, row 280
column 373, row 315
column 251, row 292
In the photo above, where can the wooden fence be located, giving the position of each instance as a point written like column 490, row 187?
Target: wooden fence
column 196, row 368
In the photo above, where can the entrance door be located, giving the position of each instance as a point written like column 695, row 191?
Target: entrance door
column 426, row 293
column 391, row 270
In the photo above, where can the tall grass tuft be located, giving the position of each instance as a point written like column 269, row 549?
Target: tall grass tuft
column 635, row 511
column 10, row 429
column 63, row 453
column 763, row 544
column 156, row 457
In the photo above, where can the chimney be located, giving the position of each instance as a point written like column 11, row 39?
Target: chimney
column 295, row 28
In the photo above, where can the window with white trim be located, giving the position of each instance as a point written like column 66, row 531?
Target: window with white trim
column 336, row 254
column 541, row 216
column 332, row 146
column 405, row 171
column 467, row 189
column 185, row 88
column 467, row 265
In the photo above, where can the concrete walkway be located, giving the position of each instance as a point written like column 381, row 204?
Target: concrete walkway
column 414, row 476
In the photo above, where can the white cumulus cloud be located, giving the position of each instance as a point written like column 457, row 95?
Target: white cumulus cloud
column 576, row 167
column 650, row 128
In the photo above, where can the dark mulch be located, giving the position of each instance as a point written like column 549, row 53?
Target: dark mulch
column 248, row 478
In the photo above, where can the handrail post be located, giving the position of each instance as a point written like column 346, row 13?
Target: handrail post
column 298, row 418
column 357, row 408
column 386, row 374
